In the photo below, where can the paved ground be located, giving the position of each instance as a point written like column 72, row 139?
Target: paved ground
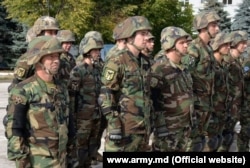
column 4, row 162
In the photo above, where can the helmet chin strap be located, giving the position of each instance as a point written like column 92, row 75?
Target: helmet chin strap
column 178, row 52
column 211, row 37
column 45, row 69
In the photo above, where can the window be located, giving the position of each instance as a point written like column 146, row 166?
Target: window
column 184, row 2
column 227, row 2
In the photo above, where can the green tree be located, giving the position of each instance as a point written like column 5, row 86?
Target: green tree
column 163, row 13
column 242, row 17
column 225, row 22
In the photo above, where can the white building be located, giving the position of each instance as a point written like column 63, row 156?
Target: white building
column 230, row 5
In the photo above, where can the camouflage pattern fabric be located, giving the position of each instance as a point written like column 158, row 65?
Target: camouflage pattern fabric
column 200, row 63
column 45, row 23
column 125, row 98
column 38, row 120
column 173, row 106
column 84, row 86
column 203, row 18
column 159, row 56
column 244, row 135
column 67, row 63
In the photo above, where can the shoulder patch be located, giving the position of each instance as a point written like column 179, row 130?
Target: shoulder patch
column 19, row 72
column 109, row 74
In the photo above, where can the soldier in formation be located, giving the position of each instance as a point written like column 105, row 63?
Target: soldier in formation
column 39, row 123
column 173, row 83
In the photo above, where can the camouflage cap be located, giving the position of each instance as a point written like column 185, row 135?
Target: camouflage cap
column 66, row 36
column 202, row 19
column 91, row 40
column 41, row 46
column 45, row 23
column 170, row 35
column 132, row 24
column 238, row 36
column 220, row 39
column 30, row 35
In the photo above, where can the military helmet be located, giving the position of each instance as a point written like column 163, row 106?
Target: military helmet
column 41, row 46
column 170, row 35
column 91, row 40
column 150, row 36
column 238, row 36
column 220, row 39
column 118, row 32
column 45, row 23
column 133, row 24
column 66, row 36
column 202, row 19
column 30, row 35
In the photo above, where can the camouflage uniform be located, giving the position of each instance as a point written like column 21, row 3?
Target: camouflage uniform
column 245, row 113
column 38, row 116
column 219, row 115
column 200, row 62
column 125, row 95
column 174, row 102
column 84, row 85
column 22, row 70
column 67, row 61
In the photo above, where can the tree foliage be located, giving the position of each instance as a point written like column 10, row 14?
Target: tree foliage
column 242, row 17
column 225, row 22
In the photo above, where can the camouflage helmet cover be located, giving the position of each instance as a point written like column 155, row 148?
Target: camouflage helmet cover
column 133, row 24
column 45, row 23
column 202, row 19
column 91, row 40
column 238, row 36
column 150, row 36
column 30, row 35
column 66, row 36
column 220, row 39
column 170, row 35
column 42, row 46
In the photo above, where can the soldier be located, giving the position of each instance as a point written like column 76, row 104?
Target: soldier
column 39, row 123
column 120, row 42
column 245, row 113
column 80, row 58
column 200, row 62
column 45, row 25
column 125, row 94
column 173, row 84
column 221, row 46
column 67, row 61
column 236, row 84
column 147, row 51
column 85, row 83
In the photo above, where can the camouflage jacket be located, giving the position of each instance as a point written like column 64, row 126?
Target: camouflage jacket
column 235, row 84
column 200, row 63
column 84, row 87
column 67, row 63
column 175, row 94
column 38, row 119
column 220, row 87
column 126, row 89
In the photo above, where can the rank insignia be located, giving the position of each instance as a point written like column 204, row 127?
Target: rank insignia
column 109, row 74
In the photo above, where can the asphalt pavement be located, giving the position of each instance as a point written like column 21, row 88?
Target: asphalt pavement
column 4, row 162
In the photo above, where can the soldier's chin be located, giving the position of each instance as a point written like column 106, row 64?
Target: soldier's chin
column 54, row 71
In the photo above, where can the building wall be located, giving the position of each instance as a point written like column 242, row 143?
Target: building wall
column 230, row 8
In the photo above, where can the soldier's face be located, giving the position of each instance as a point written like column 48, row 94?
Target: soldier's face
column 51, row 62
column 140, row 38
column 95, row 54
column 242, row 46
column 66, row 46
column 224, row 48
column 213, row 28
column 181, row 45
column 50, row 33
column 150, row 44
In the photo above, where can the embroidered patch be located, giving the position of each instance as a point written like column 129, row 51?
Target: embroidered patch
column 109, row 74
column 20, row 72
column 18, row 100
